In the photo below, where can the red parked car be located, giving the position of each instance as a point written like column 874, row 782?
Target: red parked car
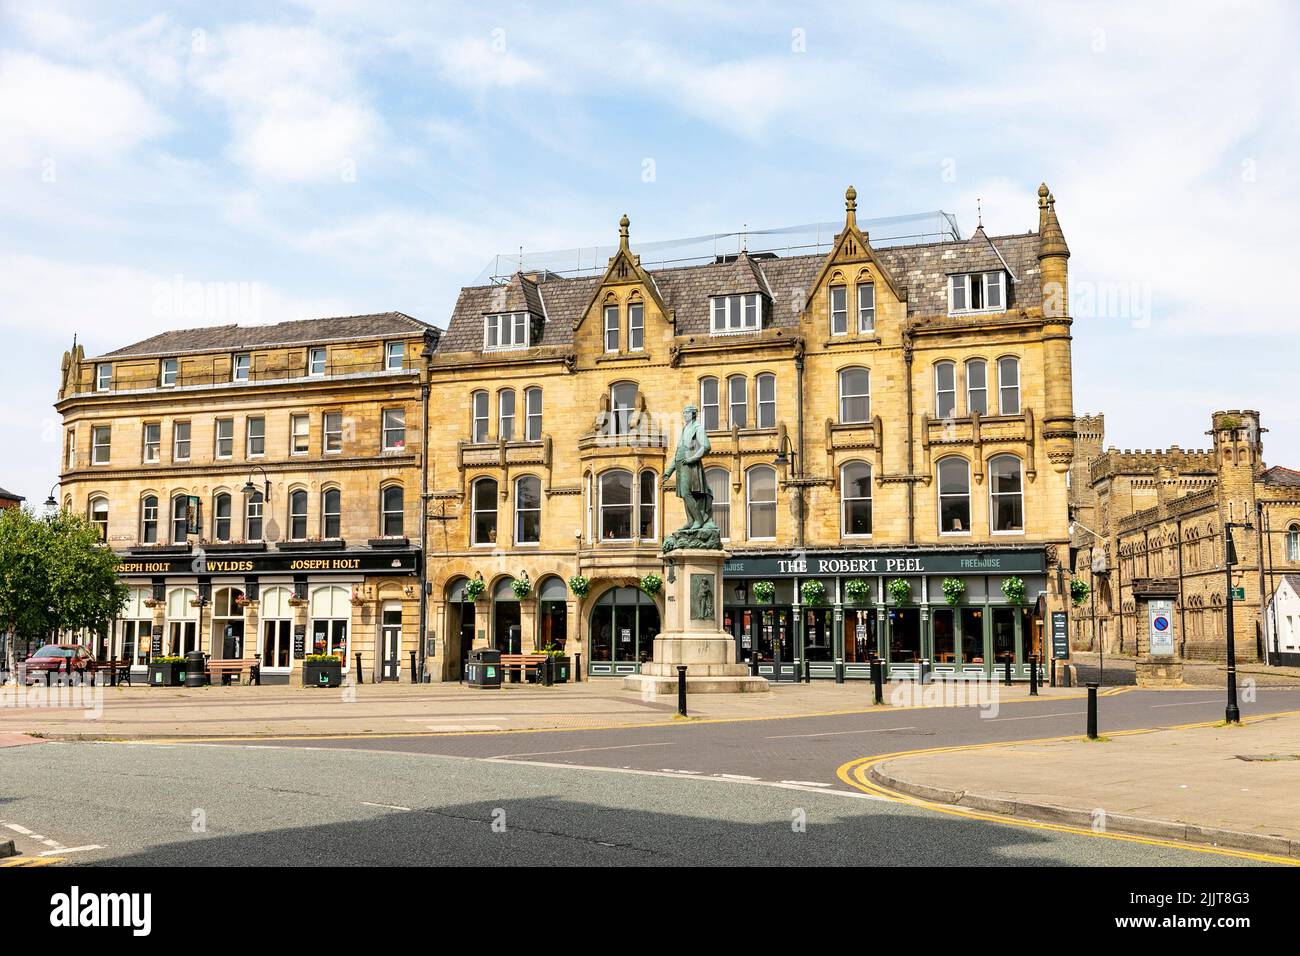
column 58, row 660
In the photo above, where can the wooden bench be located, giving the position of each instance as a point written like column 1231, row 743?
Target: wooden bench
column 116, row 670
column 523, row 663
column 237, row 667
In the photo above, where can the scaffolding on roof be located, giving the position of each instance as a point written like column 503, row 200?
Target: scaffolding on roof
column 808, row 239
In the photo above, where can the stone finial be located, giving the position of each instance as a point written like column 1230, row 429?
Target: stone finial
column 622, row 231
column 851, row 207
column 1051, row 240
column 1043, row 193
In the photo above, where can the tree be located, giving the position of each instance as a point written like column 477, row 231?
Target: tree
column 55, row 575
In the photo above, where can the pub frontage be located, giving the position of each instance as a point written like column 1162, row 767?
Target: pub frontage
column 960, row 615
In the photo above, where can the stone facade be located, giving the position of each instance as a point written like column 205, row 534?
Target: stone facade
column 550, row 439
column 219, row 416
column 1159, row 517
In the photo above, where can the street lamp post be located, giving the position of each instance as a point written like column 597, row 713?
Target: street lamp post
column 1092, row 577
column 1232, row 713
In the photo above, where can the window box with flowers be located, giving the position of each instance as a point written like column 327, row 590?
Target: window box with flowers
column 244, row 601
column 313, row 544
column 391, row 541
column 234, row 545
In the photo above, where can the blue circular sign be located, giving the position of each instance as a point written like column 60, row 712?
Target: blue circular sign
column 1160, row 623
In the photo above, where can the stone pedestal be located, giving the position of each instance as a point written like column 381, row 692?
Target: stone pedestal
column 1158, row 672
column 692, row 634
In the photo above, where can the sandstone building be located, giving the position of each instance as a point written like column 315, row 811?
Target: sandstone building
column 886, row 424
column 262, row 486
column 1150, row 526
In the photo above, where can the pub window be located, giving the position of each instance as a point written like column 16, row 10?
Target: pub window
column 855, row 499
column 221, row 517
column 253, row 517
column 1006, row 494
column 152, row 443
column 99, row 445
column 866, row 307
column 977, row 387
column 483, row 496
column 180, row 519
column 636, row 327
column 99, row 516
column 239, row 367
column 394, row 356
column 611, row 328
column 331, row 513
column 479, row 424
column 167, row 376
column 719, row 481
column 180, row 441
column 316, row 362
column 225, row 437
column 297, row 515
column 103, row 377
column 333, row 429
column 299, row 434
column 616, row 506
column 945, row 389
column 392, row 506
column 737, row 402
column 622, row 401
column 839, row 302
column 855, row 396
column 149, row 519
column 954, row 496
column 765, row 386
column 506, row 414
column 760, row 503
column 647, row 504
column 528, row 510
column 533, row 413
column 710, row 413
column 394, row 429
column 255, row 433
column 1009, row 385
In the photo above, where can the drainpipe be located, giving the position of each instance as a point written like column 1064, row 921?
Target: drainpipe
column 911, row 451
column 800, row 465
column 424, row 524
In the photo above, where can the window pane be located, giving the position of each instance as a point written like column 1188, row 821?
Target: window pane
column 1009, row 382
column 533, row 401
column 761, row 490
column 954, row 495
column 738, row 409
column 648, row 499
column 709, row 411
column 957, row 292
column 866, row 308
column 611, row 328
column 855, row 392
column 839, row 310
column 635, row 326
column 622, row 401
column 977, row 387
column 480, row 417
column 616, row 506
column 719, row 480
column 945, row 390
column 528, row 513
column 485, row 511
column 856, row 496
column 331, row 513
column 1006, row 489
column 766, row 401
column 393, row 500
column 506, row 410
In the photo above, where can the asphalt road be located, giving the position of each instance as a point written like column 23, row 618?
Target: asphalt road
column 752, row 792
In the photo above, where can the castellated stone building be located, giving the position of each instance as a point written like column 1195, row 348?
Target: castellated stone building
column 1149, row 525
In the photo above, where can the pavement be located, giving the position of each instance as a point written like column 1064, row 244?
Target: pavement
column 91, row 713
column 1118, row 669
column 1228, row 785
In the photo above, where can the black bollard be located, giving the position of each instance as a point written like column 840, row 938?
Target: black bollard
column 360, row 679
column 839, row 671
column 681, row 690
column 753, row 664
column 1053, row 671
column 547, row 677
column 577, row 668
column 415, row 674
column 1092, row 711
column 923, row 672
column 1033, row 675
column 807, row 672
column 878, row 679
column 1007, row 678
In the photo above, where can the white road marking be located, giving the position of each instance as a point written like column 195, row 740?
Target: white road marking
column 806, row 783
column 578, row 750
column 384, row 806
column 461, row 728
column 1073, row 713
column 735, row 776
column 839, row 733
column 17, row 829
column 72, row 849
column 687, row 772
column 1186, row 703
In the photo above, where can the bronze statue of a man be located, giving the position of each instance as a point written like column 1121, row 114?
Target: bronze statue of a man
column 688, row 466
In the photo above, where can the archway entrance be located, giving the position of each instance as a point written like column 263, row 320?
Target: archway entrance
column 553, row 619
column 460, row 627
column 624, row 624
column 505, row 618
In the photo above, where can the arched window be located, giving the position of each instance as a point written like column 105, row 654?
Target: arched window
column 855, row 396
column 866, row 307
column 331, row 513
column 180, row 519
column 945, row 390
column 855, row 499
column 393, row 511
column 533, row 412
column 611, row 327
column 765, row 388
column 479, row 421
column 1006, row 494
column 616, row 506
column 528, row 510
column 1293, row 543
column 221, row 517
column 99, row 516
column 483, row 496
column 954, row 496
column 253, row 517
column 635, row 326
column 760, row 502
column 977, row 387
column 506, row 414
column 710, row 413
column 647, row 504
column 719, row 480
column 622, row 403
column 737, row 402
column 149, row 519
column 1009, row 385
column 297, row 515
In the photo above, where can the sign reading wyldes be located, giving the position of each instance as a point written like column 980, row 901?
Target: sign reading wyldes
column 886, row 562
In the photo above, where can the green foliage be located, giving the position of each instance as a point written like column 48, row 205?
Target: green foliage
column 323, row 659
column 763, row 591
column 474, row 588
column 522, row 587
column 814, row 593
column 900, row 591
column 1014, row 589
column 580, row 584
column 55, row 575
column 953, row 589
column 651, row 583
column 166, row 659
column 857, row 590
column 1079, row 591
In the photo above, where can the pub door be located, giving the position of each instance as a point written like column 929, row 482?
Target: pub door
column 391, row 642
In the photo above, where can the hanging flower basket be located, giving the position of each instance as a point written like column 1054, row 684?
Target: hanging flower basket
column 358, row 600
column 763, row 591
column 1014, row 590
column 900, row 591
column 813, row 592
column 474, row 589
column 857, row 591
column 652, row 583
column 297, row 602
column 580, row 584
column 522, row 587
column 953, row 590
column 1079, row 591
column 152, row 603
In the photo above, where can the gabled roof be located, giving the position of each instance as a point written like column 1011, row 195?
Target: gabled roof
column 10, row 496
column 225, row 338
column 743, row 276
column 1286, row 477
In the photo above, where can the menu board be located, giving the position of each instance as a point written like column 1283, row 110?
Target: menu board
column 1060, row 636
column 299, row 641
column 155, row 640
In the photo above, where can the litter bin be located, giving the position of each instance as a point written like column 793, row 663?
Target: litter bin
column 195, row 672
column 484, row 668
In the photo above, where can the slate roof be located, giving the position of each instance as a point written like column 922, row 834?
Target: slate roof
column 224, row 338
column 922, row 270
column 1277, row 475
column 10, row 496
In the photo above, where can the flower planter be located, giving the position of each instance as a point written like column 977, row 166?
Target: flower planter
column 322, row 673
column 327, row 544
column 211, row 546
column 166, row 674
column 382, row 543
column 561, row 667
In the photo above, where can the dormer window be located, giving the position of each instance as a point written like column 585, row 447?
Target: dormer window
column 736, row 313
column 509, row 330
column 103, row 377
column 977, row 292
column 168, row 376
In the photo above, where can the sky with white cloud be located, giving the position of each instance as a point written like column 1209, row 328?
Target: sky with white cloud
column 323, row 157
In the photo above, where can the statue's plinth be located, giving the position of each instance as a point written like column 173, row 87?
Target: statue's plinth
column 692, row 633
